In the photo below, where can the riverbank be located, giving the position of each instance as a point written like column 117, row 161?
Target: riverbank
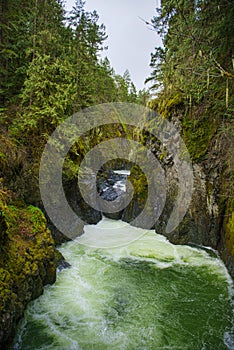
column 28, row 260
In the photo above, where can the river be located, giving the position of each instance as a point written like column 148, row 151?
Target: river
column 145, row 295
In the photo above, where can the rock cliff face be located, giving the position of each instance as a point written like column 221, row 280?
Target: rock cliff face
column 28, row 258
column 203, row 224
column 28, row 261
column 209, row 220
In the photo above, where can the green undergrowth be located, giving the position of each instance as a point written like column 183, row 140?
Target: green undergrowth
column 198, row 133
column 167, row 106
column 199, row 123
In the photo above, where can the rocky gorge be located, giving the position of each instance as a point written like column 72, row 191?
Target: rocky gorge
column 28, row 242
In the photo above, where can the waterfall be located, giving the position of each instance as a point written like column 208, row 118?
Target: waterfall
column 147, row 294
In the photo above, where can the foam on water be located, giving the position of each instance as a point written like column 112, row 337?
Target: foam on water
column 109, row 234
column 122, row 172
column 149, row 294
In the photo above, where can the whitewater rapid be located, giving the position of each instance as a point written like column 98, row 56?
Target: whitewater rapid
column 127, row 289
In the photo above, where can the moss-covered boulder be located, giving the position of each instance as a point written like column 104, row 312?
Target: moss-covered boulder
column 140, row 186
column 28, row 261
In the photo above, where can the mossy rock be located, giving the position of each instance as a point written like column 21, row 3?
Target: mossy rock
column 167, row 105
column 140, row 186
column 28, row 261
column 229, row 237
column 198, row 133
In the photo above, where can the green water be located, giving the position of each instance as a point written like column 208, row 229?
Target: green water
column 147, row 295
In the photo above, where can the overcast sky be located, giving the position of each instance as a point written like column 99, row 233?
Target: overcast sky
column 129, row 42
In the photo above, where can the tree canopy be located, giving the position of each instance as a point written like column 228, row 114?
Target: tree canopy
column 196, row 61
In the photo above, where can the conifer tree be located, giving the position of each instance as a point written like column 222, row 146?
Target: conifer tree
column 196, row 60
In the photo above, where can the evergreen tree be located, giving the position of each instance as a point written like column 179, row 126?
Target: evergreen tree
column 196, row 59
column 51, row 66
column 27, row 28
column 15, row 17
column 47, row 97
column 86, row 42
column 126, row 90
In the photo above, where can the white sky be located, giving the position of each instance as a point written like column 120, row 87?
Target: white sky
column 129, row 42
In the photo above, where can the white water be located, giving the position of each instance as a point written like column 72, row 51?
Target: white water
column 109, row 234
column 122, row 183
column 122, row 172
column 147, row 295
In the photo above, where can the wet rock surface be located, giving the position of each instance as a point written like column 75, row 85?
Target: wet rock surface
column 109, row 186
